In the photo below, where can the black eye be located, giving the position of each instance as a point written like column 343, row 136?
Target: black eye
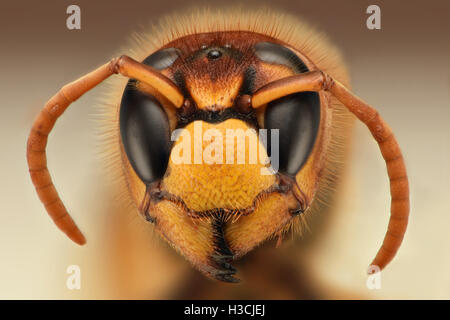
column 162, row 59
column 144, row 126
column 275, row 53
column 214, row 54
column 145, row 133
column 297, row 116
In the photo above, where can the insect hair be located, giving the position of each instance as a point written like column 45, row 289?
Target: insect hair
column 280, row 25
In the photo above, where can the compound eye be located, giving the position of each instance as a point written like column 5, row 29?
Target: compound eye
column 145, row 133
column 278, row 54
column 162, row 59
column 297, row 116
column 144, row 125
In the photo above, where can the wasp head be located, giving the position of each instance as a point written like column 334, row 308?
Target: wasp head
column 216, row 176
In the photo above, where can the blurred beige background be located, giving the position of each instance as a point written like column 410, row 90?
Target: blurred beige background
column 403, row 70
